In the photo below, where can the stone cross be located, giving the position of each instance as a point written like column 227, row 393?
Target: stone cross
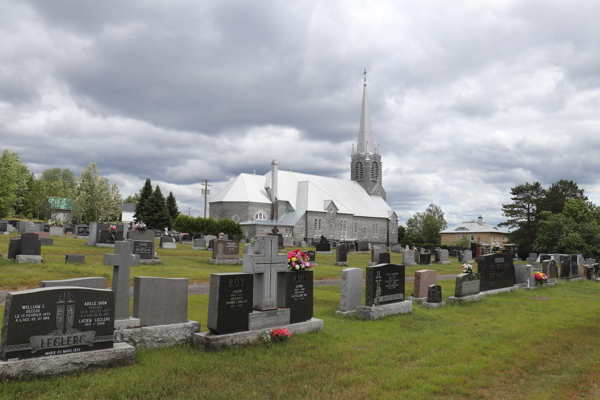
column 264, row 262
column 121, row 261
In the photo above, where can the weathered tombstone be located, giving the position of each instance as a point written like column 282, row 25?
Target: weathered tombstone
column 3, row 226
column 74, row 258
column 375, row 251
column 54, row 321
column 144, row 248
column 341, row 255
column 363, row 246
column 461, row 255
column 167, row 242
column 442, row 256
column 186, row 238
column 121, row 261
column 468, row 256
column 46, row 241
column 549, row 268
column 409, row 257
column 264, row 262
column 350, row 289
column 312, row 255
column 423, row 278
column 521, row 274
column 434, row 294
column 226, row 250
column 385, row 284
column 14, row 247
column 93, row 282
column 323, row 244
column 141, row 234
column 565, row 266
column 229, row 302
column 425, row 259
column 31, row 244
column 160, row 301
column 496, row 271
column 467, row 285
column 295, row 291
column 92, row 233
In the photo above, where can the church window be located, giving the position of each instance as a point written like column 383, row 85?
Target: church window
column 319, row 225
column 358, row 171
column 260, row 215
column 236, row 218
column 365, row 232
column 331, row 230
column 375, row 171
column 316, row 226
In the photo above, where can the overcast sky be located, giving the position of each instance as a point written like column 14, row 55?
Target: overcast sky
column 468, row 99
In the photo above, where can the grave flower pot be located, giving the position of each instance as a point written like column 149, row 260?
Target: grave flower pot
column 295, row 291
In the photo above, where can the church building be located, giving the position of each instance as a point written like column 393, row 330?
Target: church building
column 306, row 206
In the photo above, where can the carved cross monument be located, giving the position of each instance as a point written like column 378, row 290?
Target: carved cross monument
column 264, row 262
column 121, row 261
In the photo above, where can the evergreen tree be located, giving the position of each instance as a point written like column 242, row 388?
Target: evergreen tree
column 140, row 207
column 157, row 213
column 172, row 206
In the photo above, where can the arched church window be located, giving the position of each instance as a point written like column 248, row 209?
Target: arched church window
column 375, row 171
column 331, row 230
column 358, row 170
column 260, row 215
column 316, row 226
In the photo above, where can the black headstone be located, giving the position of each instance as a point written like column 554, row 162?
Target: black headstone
column 14, row 222
column 31, row 244
column 143, row 248
column 341, row 253
column 187, row 238
column 363, row 246
column 434, row 294
column 53, row 321
column 3, row 226
column 574, row 265
column 295, row 291
column 312, row 255
column 565, row 267
column 323, row 244
column 496, row 271
column 425, row 259
column 384, row 258
column 14, row 247
column 104, row 237
column 229, row 302
column 385, row 284
column 46, row 228
column 83, row 231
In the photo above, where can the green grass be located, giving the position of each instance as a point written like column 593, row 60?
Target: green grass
column 180, row 262
column 509, row 346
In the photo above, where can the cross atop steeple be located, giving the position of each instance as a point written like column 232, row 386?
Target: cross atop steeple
column 365, row 74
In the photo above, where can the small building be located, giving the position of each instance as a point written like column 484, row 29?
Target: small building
column 127, row 212
column 477, row 232
column 60, row 209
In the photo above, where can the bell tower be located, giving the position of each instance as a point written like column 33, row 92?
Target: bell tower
column 365, row 164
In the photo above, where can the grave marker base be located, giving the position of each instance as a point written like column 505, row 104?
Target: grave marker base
column 158, row 336
column 434, row 305
column 151, row 261
column 226, row 261
column 467, row 299
column 25, row 259
column 378, row 312
column 418, row 300
column 341, row 264
column 120, row 354
column 345, row 313
column 130, row 322
column 111, row 245
column 210, row 341
column 501, row 290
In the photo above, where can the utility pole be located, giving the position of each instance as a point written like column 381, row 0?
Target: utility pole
column 206, row 192
column 189, row 211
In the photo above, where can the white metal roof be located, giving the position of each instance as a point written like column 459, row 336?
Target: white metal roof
column 244, row 188
column 474, row 227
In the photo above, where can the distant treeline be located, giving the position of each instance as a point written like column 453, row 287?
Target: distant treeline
column 208, row 226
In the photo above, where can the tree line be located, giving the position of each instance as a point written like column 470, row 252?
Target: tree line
column 152, row 208
column 559, row 219
column 92, row 197
column 208, row 226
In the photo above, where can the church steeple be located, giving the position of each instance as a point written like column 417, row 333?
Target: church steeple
column 365, row 131
column 365, row 165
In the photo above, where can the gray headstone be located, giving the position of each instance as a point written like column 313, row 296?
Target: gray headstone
column 199, row 242
column 468, row 256
column 532, row 257
column 93, row 231
column 94, row 282
column 350, row 288
column 409, row 257
column 46, row 241
column 160, row 301
column 31, row 244
column 57, row 231
column 375, row 250
column 264, row 262
column 121, row 262
column 465, row 285
column 75, row 258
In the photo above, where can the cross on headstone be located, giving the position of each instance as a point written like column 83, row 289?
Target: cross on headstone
column 378, row 292
column 264, row 262
column 121, row 261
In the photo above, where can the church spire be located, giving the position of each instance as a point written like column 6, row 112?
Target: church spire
column 365, row 132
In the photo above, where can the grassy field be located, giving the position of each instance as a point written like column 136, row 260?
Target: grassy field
column 523, row 345
column 181, row 262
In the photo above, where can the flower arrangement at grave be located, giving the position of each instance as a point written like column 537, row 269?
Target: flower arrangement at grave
column 56, row 223
column 468, row 269
column 541, row 278
column 276, row 335
column 139, row 226
column 298, row 261
column 112, row 231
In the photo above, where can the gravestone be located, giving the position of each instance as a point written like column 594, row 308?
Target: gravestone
column 3, row 226
column 226, row 250
column 92, row 233
column 93, row 282
column 442, row 256
column 264, row 262
column 104, row 237
column 144, row 249
column 312, row 255
column 295, row 291
column 423, row 279
column 46, row 241
column 467, row 256
column 384, row 258
column 375, row 251
column 467, row 285
column 54, row 321
column 186, row 238
column 82, row 230
column 350, row 289
column 565, row 266
column 121, row 261
column 385, row 284
column 275, row 232
column 44, row 235
column 167, row 242
column 522, row 273
column 14, row 247
column 532, row 258
column 74, row 258
column 141, row 234
column 199, row 243
column 341, row 254
column 363, row 246
column 549, row 268
column 229, row 302
column 57, row 231
column 425, row 259
column 31, row 244
column 434, row 294
column 409, row 257
column 461, row 255
column 160, row 301
column 198, row 236
column 496, row 271
column 323, row 244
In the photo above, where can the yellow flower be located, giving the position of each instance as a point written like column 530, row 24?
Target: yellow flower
column 293, row 258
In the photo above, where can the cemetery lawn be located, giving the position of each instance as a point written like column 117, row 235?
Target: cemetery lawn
column 175, row 263
column 525, row 345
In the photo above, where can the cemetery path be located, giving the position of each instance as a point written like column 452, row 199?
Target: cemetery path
column 203, row 288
